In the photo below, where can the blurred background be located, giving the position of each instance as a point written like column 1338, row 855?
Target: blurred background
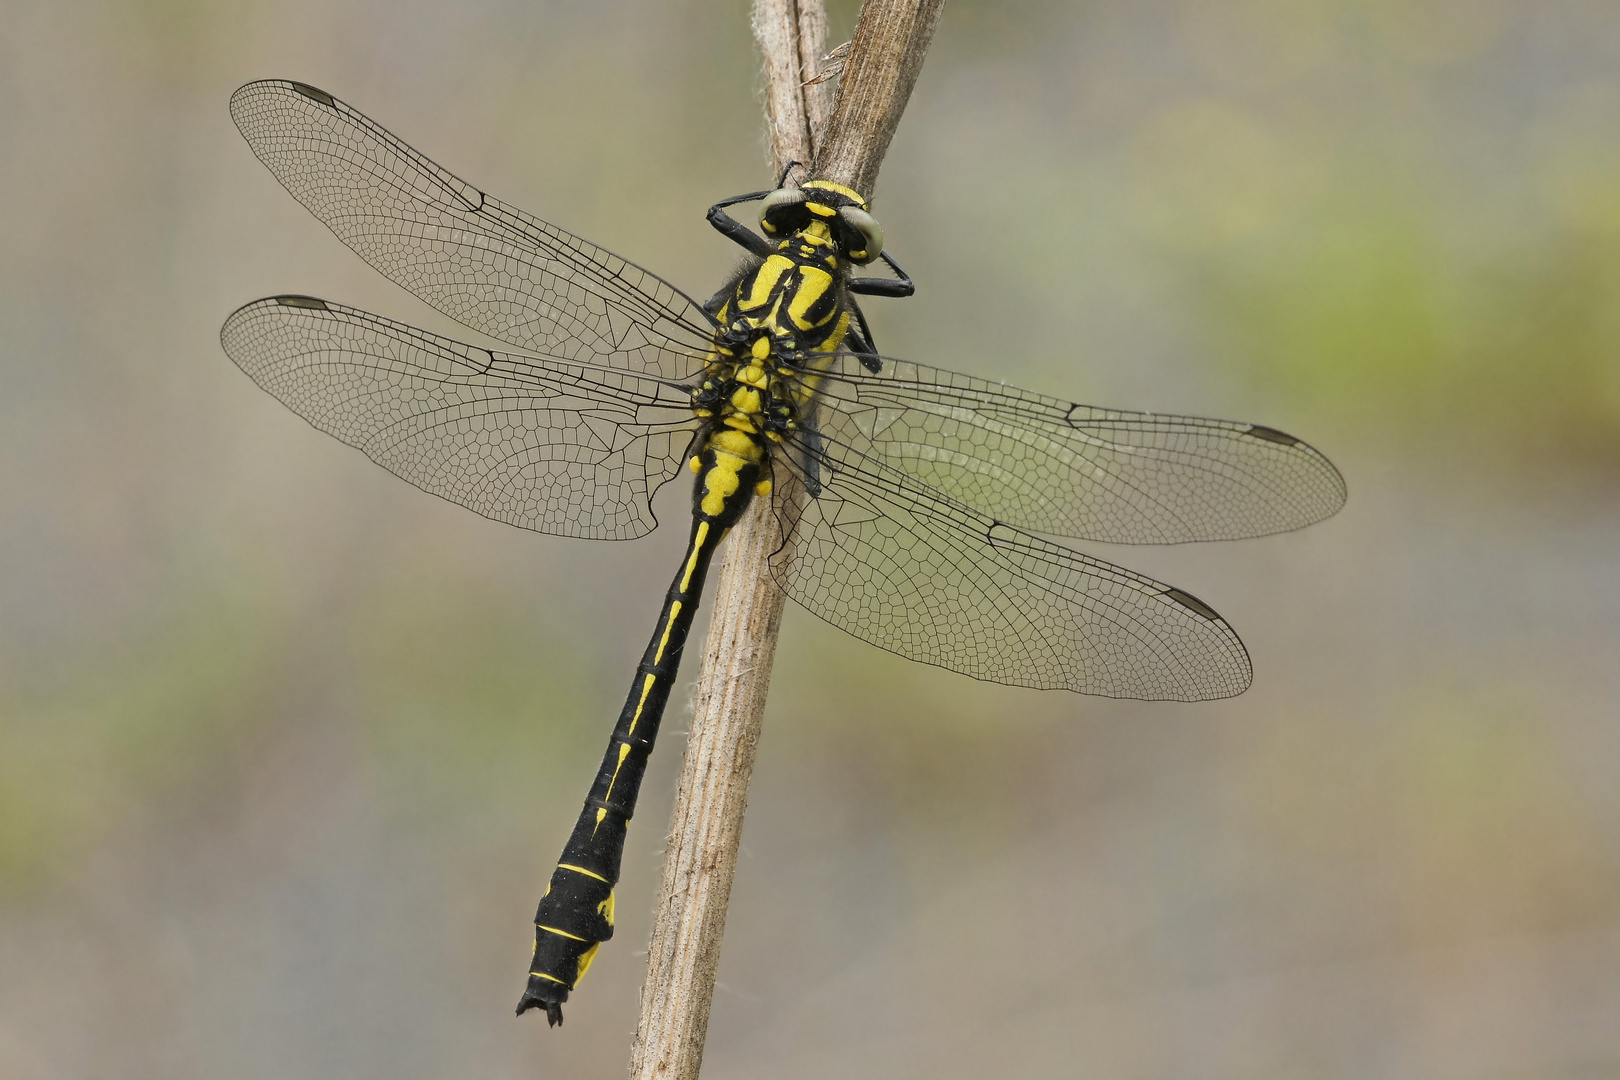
column 288, row 748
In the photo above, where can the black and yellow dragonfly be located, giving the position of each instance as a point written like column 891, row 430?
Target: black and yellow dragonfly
column 920, row 492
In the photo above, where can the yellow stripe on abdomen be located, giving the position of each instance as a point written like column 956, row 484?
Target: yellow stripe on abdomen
column 698, row 539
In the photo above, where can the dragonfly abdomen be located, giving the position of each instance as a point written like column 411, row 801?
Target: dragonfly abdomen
column 576, row 914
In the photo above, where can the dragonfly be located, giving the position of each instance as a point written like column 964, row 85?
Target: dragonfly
column 911, row 506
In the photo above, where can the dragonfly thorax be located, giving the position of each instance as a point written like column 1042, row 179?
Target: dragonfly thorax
column 798, row 292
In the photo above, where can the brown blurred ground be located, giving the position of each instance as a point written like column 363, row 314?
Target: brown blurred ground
column 287, row 748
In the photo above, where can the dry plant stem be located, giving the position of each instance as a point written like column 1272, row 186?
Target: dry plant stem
column 818, row 99
column 792, row 35
column 885, row 57
column 706, row 826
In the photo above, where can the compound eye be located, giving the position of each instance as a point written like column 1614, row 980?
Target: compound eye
column 870, row 243
column 782, row 211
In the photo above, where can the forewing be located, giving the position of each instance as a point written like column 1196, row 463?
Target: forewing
column 922, row 575
column 1073, row 470
column 488, row 265
column 551, row 445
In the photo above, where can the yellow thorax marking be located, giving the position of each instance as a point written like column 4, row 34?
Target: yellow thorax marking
column 836, row 338
column 813, row 285
column 765, row 279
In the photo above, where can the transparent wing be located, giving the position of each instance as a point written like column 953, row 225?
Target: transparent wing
column 925, row 576
column 488, row 265
column 546, row 444
column 1073, row 470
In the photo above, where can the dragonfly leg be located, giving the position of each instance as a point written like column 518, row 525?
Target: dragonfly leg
column 860, row 341
column 811, row 466
column 900, row 285
column 734, row 230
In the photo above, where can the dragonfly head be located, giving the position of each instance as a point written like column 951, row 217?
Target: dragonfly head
column 839, row 211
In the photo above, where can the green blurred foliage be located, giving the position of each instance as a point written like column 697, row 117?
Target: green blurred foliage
column 141, row 727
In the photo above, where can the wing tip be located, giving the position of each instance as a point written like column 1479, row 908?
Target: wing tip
column 1232, row 673
column 241, row 103
column 298, row 300
column 287, row 300
column 292, row 300
column 256, row 86
column 314, row 93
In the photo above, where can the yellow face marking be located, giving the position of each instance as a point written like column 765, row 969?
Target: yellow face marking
column 828, row 185
column 578, row 870
column 674, row 610
column 820, row 209
column 585, row 961
column 765, row 279
column 813, row 285
column 691, row 563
